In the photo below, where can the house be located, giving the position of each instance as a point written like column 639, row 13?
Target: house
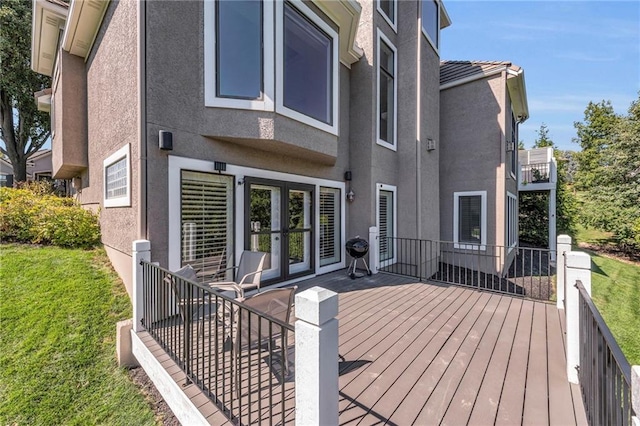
column 481, row 105
column 38, row 168
column 212, row 127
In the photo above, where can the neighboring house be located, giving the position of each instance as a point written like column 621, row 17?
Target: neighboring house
column 481, row 106
column 213, row 127
column 38, row 168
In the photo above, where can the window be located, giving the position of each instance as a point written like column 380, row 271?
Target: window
column 306, row 67
column 206, row 220
column 239, row 62
column 238, row 58
column 514, row 140
column 330, row 248
column 388, row 10
column 386, row 219
column 512, row 220
column 117, row 179
column 387, row 92
column 470, row 219
column 431, row 21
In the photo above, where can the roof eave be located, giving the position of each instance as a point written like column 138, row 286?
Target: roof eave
column 346, row 15
column 78, row 39
column 47, row 18
column 518, row 93
column 445, row 20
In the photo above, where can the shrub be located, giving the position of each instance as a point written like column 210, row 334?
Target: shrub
column 32, row 215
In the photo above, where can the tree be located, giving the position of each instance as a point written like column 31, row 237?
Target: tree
column 594, row 136
column 543, row 140
column 23, row 128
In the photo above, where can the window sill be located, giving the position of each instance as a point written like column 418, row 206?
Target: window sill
column 387, row 145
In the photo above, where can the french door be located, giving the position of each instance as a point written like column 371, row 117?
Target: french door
column 279, row 221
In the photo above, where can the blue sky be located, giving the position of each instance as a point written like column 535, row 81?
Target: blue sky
column 572, row 52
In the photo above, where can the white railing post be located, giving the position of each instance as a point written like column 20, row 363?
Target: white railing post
column 635, row 393
column 374, row 249
column 141, row 251
column 578, row 268
column 564, row 246
column 316, row 357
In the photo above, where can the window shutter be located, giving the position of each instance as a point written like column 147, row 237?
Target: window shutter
column 329, row 226
column 206, row 221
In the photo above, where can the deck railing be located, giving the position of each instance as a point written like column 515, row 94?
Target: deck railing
column 535, row 173
column 604, row 372
column 198, row 328
column 522, row 271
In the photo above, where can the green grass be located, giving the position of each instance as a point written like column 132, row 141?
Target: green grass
column 58, row 314
column 615, row 288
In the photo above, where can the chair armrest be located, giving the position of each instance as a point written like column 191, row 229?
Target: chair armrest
column 223, row 286
column 242, row 281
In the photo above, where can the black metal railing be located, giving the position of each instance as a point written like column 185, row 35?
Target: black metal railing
column 522, row 271
column 604, row 373
column 201, row 330
column 535, row 173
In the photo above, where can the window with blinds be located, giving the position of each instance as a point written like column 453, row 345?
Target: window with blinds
column 469, row 217
column 330, row 251
column 386, row 231
column 512, row 220
column 206, row 220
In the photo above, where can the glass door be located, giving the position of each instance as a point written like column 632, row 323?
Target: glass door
column 279, row 221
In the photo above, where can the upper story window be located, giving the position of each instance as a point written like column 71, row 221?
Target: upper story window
column 388, row 9
column 387, row 92
column 239, row 61
column 513, row 154
column 431, row 22
column 117, row 179
column 272, row 56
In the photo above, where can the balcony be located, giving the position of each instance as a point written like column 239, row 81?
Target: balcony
column 538, row 170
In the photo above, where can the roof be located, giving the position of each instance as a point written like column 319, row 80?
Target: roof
column 451, row 71
column 455, row 73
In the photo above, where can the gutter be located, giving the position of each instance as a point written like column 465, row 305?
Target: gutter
column 472, row 78
column 142, row 114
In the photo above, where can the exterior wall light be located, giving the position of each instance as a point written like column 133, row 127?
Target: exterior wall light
column 350, row 195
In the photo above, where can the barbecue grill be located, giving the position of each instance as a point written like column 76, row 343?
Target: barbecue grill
column 357, row 248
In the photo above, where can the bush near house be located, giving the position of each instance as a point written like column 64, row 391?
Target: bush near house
column 32, row 214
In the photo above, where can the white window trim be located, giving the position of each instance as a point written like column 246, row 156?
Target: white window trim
column 483, row 220
column 210, row 98
column 124, row 201
column 514, row 155
column 513, row 221
column 280, row 107
column 392, row 23
column 394, row 190
column 424, row 32
column 177, row 164
column 392, row 146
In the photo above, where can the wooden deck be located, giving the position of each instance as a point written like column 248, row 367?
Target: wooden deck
column 419, row 353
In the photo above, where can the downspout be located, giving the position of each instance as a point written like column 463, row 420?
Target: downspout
column 418, row 121
column 142, row 113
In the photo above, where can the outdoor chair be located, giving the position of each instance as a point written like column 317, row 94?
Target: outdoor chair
column 253, row 330
column 247, row 276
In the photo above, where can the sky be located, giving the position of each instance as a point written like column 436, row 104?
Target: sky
column 572, row 52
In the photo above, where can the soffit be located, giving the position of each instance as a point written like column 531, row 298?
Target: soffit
column 48, row 21
column 346, row 15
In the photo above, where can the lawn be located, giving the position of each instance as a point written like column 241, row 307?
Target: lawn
column 58, row 314
column 616, row 292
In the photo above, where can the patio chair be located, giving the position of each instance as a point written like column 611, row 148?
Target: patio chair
column 253, row 332
column 248, row 274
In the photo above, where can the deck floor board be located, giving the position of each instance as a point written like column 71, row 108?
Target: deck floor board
column 422, row 353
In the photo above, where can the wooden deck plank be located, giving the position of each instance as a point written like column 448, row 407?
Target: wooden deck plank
column 412, row 365
column 512, row 397
column 536, row 402
column 561, row 405
column 462, row 402
column 440, row 398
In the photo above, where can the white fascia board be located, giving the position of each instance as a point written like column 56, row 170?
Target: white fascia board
column 82, row 26
column 346, row 15
column 518, row 90
column 44, row 40
column 472, row 78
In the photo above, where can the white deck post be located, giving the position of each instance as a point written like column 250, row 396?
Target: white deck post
column 316, row 357
column 578, row 269
column 564, row 246
column 374, row 249
column 141, row 251
column 552, row 222
column 635, row 393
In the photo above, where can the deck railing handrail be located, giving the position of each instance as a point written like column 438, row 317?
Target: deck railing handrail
column 516, row 270
column 201, row 329
column 605, row 385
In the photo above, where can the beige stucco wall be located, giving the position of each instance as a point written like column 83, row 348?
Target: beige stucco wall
column 472, row 124
column 112, row 102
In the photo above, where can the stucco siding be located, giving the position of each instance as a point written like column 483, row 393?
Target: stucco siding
column 112, row 102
